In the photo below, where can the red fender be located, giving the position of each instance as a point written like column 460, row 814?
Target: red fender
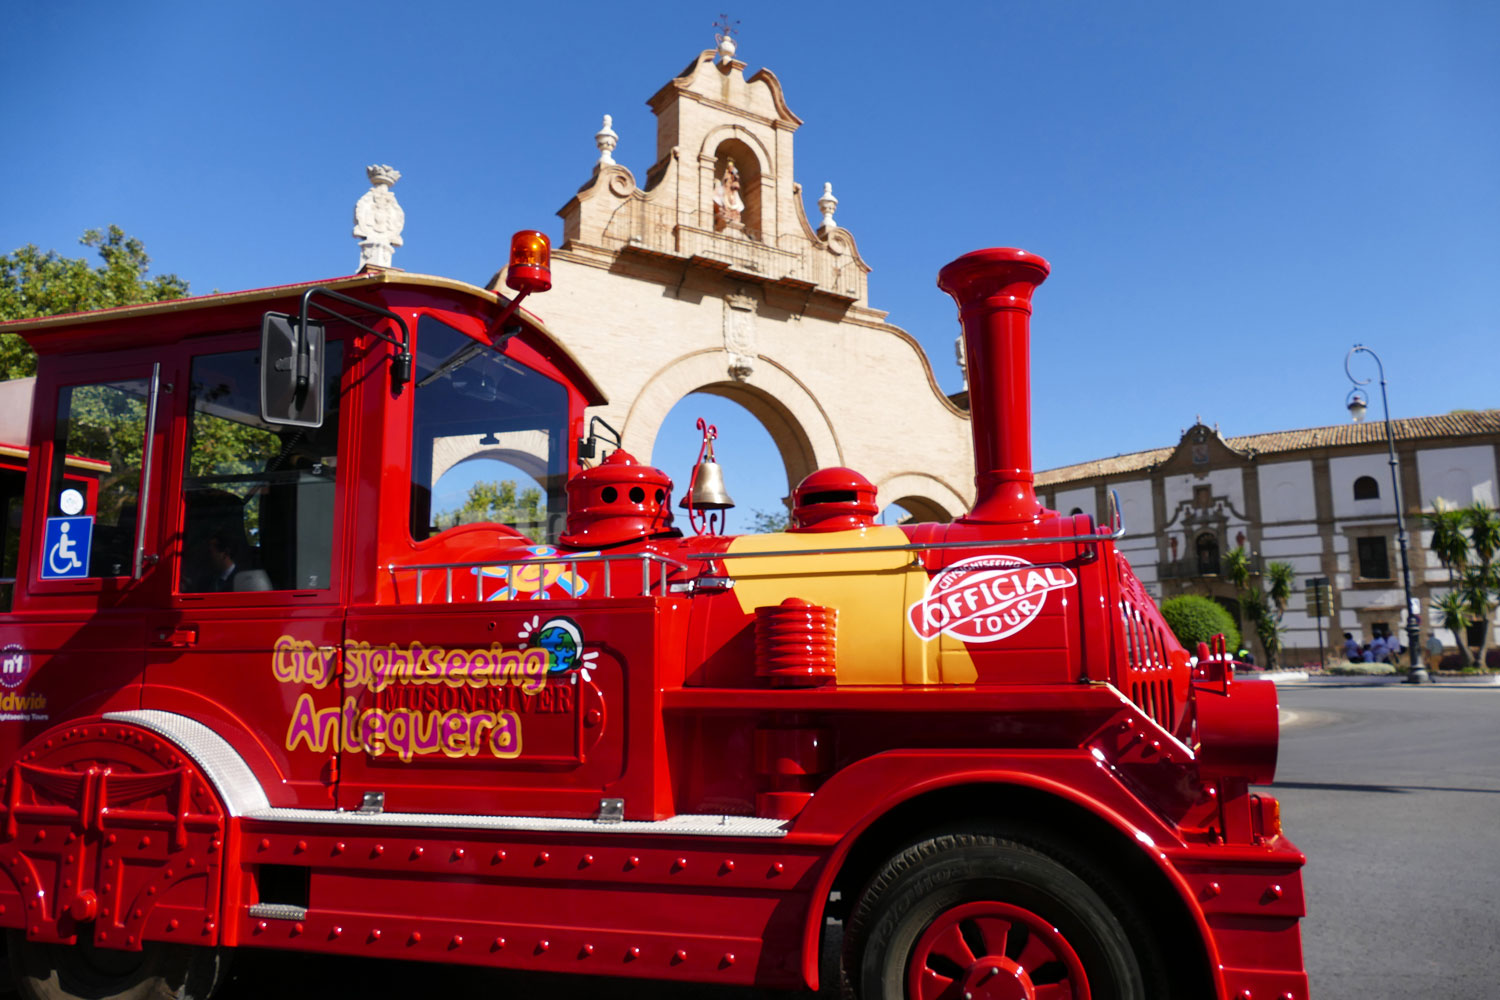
column 843, row 809
column 111, row 824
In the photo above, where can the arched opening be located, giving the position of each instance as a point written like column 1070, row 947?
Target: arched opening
column 915, row 510
column 1207, row 545
column 748, row 184
column 755, row 470
column 1232, row 605
column 1366, row 488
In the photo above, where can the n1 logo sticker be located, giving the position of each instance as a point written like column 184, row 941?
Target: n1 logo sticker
column 986, row 598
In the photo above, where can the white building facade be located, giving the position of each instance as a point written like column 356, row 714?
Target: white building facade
column 1319, row 499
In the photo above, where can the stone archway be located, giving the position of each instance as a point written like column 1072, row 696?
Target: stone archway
column 801, row 430
column 525, row 450
column 924, row 496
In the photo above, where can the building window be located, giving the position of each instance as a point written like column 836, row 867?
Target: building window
column 1373, row 562
column 1208, row 554
column 1202, row 498
column 1366, row 488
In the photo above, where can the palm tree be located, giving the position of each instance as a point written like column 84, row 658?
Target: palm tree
column 1453, row 613
column 1481, row 582
column 1281, row 577
column 1237, row 568
column 1449, row 543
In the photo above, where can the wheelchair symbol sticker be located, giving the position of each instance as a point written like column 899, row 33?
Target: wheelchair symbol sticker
column 65, row 549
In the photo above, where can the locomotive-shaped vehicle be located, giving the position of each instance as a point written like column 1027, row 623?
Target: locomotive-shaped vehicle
column 260, row 690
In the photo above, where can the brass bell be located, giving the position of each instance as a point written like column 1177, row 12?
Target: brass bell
column 708, row 491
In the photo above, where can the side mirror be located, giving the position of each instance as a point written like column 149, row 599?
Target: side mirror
column 291, row 371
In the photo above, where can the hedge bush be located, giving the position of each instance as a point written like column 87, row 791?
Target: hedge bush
column 1194, row 619
column 1361, row 669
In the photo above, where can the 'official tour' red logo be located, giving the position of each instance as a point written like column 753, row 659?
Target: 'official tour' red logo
column 986, row 598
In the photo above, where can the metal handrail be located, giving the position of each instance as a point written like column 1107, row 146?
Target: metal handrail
column 646, row 559
column 668, row 564
column 978, row 543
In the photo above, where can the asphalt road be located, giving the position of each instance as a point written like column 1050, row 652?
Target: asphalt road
column 1394, row 795
column 1392, row 792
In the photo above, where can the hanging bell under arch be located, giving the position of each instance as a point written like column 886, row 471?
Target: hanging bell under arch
column 708, row 492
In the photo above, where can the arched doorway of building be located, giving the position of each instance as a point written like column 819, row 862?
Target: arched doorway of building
column 1207, row 546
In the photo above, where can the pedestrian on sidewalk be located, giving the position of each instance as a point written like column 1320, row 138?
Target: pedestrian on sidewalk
column 1434, row 651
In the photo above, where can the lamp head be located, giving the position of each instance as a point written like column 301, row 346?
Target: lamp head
column 1357, row 406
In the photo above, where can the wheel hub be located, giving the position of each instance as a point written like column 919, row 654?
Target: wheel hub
column 995, row 977
column 989, row 950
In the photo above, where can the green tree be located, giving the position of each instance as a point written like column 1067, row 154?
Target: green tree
column 763, row 522
column 1194, row 618
column 34, row 283
column 1261, row 609
column 502, row 502
column 1466, row 541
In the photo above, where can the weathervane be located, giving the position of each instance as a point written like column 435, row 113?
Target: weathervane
column 724, row 35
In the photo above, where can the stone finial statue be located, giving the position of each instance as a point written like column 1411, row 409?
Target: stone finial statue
column 728, row 205
column 377, row 218
column 826, row 205
column 606, row 139
column 725, row 37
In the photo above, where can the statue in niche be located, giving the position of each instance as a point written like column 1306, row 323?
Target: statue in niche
column 729, row 207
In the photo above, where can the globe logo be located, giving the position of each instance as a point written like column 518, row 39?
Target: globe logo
column 562, row 641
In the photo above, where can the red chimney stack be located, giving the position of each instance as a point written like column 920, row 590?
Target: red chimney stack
column 993, row 291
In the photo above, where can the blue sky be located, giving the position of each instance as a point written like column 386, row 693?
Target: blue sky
column 1230, row 195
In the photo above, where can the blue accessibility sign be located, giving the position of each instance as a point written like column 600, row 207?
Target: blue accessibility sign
column 65, row 549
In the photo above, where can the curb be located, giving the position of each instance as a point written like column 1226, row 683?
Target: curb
column 1301, row 678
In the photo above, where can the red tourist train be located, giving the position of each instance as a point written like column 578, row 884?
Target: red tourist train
column 263, row 686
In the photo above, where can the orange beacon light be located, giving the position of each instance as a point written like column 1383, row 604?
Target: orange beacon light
column 530, row 262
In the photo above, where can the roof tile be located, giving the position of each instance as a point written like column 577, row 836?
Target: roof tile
column 1463, row 423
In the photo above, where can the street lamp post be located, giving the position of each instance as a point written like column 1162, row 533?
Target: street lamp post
column 1357, row 405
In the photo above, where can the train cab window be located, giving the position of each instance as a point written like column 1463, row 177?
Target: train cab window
column 94, row 486
column 258, row 499
column 489, row 439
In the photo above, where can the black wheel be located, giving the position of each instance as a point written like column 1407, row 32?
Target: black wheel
column 967, row 916
column 85, row 972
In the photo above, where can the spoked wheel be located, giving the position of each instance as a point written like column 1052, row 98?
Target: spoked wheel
column 974, row 917
column 994, row 951
column 85, row 972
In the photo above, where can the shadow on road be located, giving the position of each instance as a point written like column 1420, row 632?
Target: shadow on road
column 1322, row 786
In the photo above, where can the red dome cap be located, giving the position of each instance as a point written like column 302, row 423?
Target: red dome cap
column 835, row 499
column 619, row 500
